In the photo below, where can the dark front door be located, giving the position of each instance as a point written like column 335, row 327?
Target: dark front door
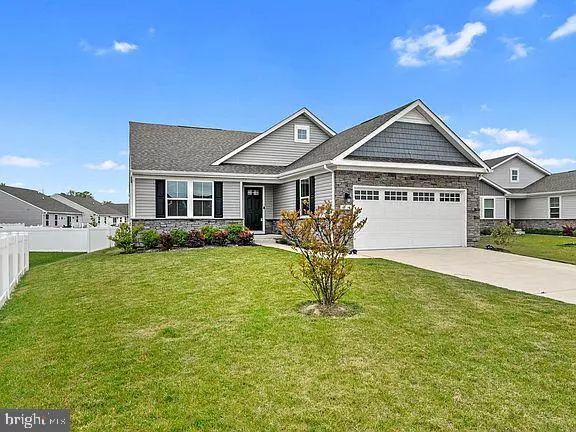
column 508, row 210
column 253, row 208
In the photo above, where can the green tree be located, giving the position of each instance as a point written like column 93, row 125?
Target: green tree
column 83, row 194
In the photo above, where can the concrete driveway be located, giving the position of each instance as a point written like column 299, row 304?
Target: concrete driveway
column 514, row 272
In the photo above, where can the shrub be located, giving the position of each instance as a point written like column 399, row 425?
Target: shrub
column 502, row 234
column 542, row 231
column 166, row 241
column 244, row 238
column 195, row 239
column 150, row 238
column 486, row 231
column 233, row 231
column 126, row 237
column 179, row 236
column 209, row 232
column 323, row 241
column 220, row 238
column 568, row 230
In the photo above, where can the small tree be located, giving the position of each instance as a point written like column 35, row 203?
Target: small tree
column 126, row 238
column 502, row 234
column 323, row 239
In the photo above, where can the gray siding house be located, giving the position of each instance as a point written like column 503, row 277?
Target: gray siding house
column 522, row 192
column 416, row 181
column 33, row 208
column 93, row 212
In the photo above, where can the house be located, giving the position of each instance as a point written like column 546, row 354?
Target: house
column 93, row 212
column 33, row 208
column 121, row 208
column 522, row 192
column 416, row 181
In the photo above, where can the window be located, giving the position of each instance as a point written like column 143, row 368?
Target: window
column 554, row 207
column 201, row 199
column 105, row 220
column 514, row 175
column 76, row 219
column 301, row 133
column 177, row 197
column 304, row 195
column 47, row 219
column 488, row 206
column 55, row 220
column 449, row 197
column 367, row 195
column 395, row 196
column 423, row 196
column 98, row 220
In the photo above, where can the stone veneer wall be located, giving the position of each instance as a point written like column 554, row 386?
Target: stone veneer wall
column 553, row 224
column 345, row 180
column 164, row 225
column 271, row 226
column 489, row 223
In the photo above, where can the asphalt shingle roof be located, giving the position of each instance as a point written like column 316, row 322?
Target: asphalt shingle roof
column 39, row 200
column 93, row 205
column 119, row 207
column 495, row 161
column 553, row 183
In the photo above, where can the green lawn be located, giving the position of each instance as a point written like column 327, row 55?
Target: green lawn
column 541, row 246
column 212, row 340
column 40, row 258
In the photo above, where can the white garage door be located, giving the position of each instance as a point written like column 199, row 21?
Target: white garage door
column 400, row 218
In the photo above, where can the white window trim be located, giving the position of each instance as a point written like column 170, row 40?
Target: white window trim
column 189, row 199
column 301, row 197
column 298, row 127
column 484, row 208
column 559, row 207
column 517, row 175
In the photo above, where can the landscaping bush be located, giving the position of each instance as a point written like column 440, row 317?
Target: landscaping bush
column 568, row 230
column 195, row 239
column 233, row 232
column 126, row 237
column 150, row 238
column 220, row 238
column 502, row 234
column 543, row 231
column 209, row 232
column 244, row 238
column 166, row 241
column 179, row 236
column 486, row 231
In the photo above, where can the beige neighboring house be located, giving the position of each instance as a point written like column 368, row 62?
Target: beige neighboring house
column 93, row 212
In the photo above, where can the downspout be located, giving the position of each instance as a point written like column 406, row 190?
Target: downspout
column 325, row 167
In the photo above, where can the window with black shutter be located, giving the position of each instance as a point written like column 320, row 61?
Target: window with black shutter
column 160, row 198
column 218, row 200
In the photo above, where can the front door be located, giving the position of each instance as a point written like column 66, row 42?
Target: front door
column 69, row 221
column 253, row 208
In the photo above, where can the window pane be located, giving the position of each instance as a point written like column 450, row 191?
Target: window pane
column 489, row 203
column 177, row 189
column 202, row 208
column 489, row 213
column 304, row 205
column 555, row 202
column 202, row 190
column 182, row 189
column 177, row 208
column 305, row 188
column 302, row 134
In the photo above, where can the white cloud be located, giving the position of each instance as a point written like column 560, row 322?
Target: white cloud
column 554, row 162
column 117, row 46
column 436, row 45
column 17, row 184
column 123, row 152
column 473, row 143
column 485, row 107
column 516, row 6
column 22, row 162
column 519, row 49
column 507, row 136
column 107, row 165
column 566, row 29
column 107, row 191
column 532, row 154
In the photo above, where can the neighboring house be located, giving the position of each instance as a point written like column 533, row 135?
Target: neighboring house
column 522, row 192
column 93, row 212
column 416, row 181
column 121, row 208
column 32, row 208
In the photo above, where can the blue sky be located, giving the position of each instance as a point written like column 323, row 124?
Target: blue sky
column 500, row 72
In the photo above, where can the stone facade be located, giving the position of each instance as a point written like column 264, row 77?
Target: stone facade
column 489, row 223
column 271, row 226
column 551, row 224
column 164, row 225
column 345, row 180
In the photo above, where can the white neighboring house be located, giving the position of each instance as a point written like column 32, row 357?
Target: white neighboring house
column 93, row 212
column 33, row 208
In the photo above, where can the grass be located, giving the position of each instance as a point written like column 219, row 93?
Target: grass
column 212, row 339
column 541, row 246
column 41, row 258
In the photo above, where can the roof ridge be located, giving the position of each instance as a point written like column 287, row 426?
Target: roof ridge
column 193, row 127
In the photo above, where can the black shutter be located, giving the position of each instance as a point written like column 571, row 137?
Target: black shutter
column 312, row 193
column 297, row 195
column 160, row 198
column 218, row 200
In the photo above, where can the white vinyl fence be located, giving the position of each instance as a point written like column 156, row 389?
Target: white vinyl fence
column 43, row 239
column 14, row 261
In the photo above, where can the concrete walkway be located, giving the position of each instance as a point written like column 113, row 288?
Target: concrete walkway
column 531, row 275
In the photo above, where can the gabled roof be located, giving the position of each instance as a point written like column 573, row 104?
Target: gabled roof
column 188, row 149
column 564, row 181
column 496, row 162
column 494, row 185
column 119, row 207
column 39, row 200
column 302, row 111
column 92, row 205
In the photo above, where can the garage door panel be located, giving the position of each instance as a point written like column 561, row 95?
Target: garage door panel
column 411, row 224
